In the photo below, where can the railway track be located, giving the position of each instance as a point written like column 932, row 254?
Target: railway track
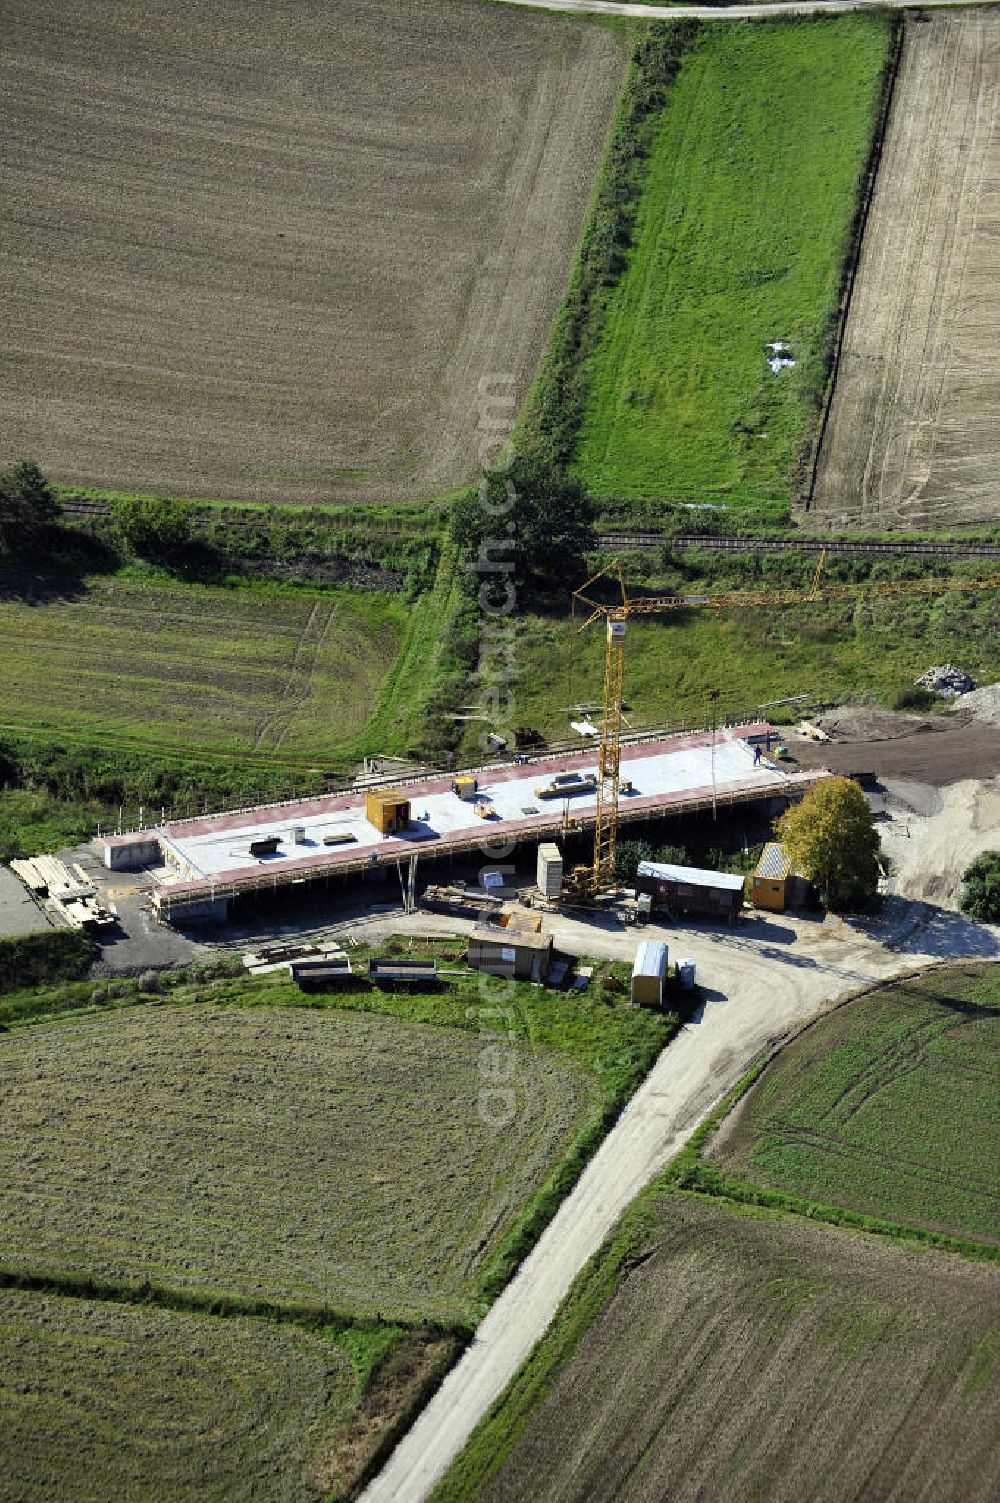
column 611, row 542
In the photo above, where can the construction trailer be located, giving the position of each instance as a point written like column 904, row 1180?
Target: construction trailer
column 516, row 954
column 685, row 890
column 387, row 809
column 774, row 884
column 649, row 973
column 549, row 871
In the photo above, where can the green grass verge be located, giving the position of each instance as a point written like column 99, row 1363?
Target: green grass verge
column 871, row 648
column 494, row 1438
column 742, row 233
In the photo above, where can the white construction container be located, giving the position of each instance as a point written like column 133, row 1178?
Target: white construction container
column 549, row 874
column 649, row 973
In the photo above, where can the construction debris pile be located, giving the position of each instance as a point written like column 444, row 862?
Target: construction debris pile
column 67, row 894
column 946, row 681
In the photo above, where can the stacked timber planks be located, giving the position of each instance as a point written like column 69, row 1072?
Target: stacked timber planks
column 69, row 893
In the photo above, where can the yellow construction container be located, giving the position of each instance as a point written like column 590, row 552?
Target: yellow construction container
column 387, row 810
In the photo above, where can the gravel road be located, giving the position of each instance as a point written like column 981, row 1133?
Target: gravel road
column 761, row 980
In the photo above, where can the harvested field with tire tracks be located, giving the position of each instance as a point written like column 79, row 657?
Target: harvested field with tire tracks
column 184, row 668
column 746, row 1358
column 267, row 253
column 101, row 1400
column 275, row 1154
column 913, row 438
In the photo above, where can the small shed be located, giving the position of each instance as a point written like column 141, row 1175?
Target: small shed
column 387, row 810
column 649, row 973
column 690, row 889
column 774, row 884
column 515, row 954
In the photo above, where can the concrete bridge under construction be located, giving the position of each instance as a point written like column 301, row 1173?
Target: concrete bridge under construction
column 201, row 865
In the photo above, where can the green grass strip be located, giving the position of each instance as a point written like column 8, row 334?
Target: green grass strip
column 746, row 222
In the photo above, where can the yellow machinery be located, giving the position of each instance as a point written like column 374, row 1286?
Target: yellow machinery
column 586, row 882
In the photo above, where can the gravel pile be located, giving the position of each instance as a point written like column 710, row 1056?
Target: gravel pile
column 983, row 704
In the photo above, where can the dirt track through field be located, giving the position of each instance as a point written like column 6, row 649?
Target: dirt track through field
column 269, row 252
column 914, row 432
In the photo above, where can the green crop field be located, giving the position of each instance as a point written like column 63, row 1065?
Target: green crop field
column 743, row 1358
column 288, row 1155
column 101, row 1401
column 888, row 1106
column 188, row 668
column 740, row 240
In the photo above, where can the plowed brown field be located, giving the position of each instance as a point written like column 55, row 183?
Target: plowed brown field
column 914, row 431
column 750, row 1359
column 268, row 252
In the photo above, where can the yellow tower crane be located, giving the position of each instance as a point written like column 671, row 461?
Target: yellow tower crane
column 616, row 616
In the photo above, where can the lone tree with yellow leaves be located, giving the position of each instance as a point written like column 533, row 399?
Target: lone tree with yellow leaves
column 831, row 838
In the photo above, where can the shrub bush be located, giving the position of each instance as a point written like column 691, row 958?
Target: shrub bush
column 980, row 894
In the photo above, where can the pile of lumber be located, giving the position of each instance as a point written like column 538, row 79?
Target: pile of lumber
column 460, row 902
column 66, row 892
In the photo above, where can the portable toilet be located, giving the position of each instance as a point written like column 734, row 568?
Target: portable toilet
column 649, row 973
column 686, row 974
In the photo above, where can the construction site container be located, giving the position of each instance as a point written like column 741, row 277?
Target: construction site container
column 516, row 955
column 649, row 973
column 466, row 786
column 549, row 874
column 326, row 970
column 689, row 889
column 774, row 885
column 387, row 810
column 686, row 974
column 386, row 970
column 298, row 834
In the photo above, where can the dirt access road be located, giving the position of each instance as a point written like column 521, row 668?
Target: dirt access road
column 762, row 11
column 913, row 437
column 762, row 980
